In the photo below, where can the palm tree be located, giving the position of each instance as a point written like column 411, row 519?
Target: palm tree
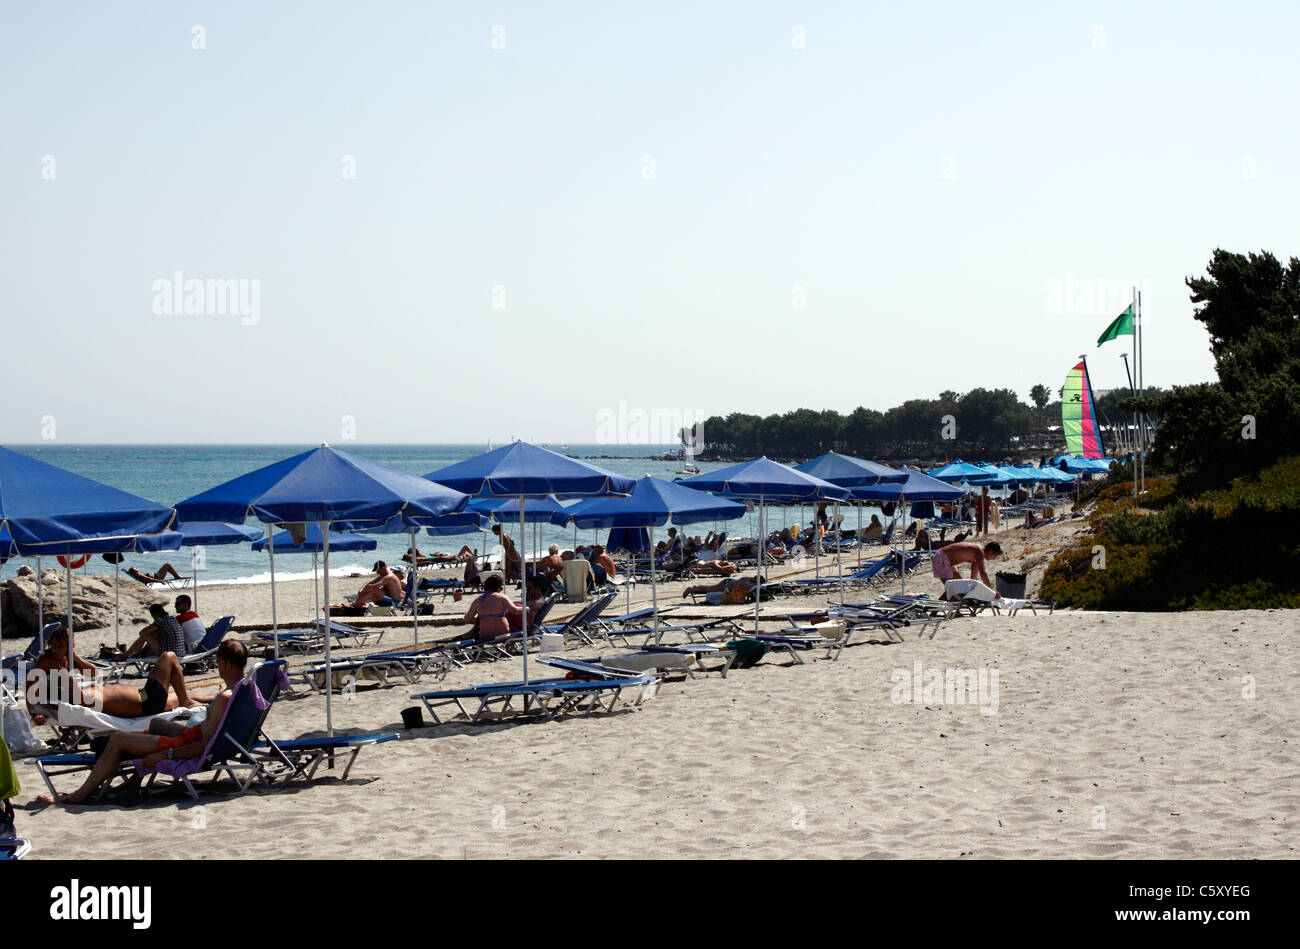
column 1039, row 395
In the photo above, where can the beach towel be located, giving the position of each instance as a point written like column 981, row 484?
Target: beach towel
column 176, row 767
column 975, row 590
column 67, row 715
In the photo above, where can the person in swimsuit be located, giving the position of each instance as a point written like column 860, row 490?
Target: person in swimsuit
column 489, row 613
column 232, row 657
column 48, row 682
column 164, row 634
column 151, row 578
column 947, row 558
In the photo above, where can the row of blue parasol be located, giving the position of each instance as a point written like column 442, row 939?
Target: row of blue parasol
column 46, row 511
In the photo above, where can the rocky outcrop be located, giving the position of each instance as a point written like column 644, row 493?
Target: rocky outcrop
column 92, row 601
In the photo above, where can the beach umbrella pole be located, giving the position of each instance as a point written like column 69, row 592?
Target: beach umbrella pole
column 758, row 569
column 654, row 583
column 329, row 679
column 117, row 634
column 40, row 605
column 71, row 643
column 275, row 629
column 415, row 591
column 524, row 626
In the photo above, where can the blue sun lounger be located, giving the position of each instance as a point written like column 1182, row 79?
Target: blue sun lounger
column 14, row 848
column 550, row 697
column 33, row 650
column 229, row 751
column 305, row 755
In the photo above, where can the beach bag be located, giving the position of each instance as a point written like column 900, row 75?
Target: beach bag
column 18, row 734
column 748, row 652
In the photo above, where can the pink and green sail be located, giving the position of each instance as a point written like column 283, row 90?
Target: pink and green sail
column 1079, row 416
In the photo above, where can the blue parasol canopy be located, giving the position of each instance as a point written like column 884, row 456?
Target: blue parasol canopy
column 311, row 543
column 918, row 487
column 959, row 470
column 766, row 480
column 325, row 484
column 653, row 502
column 850, row 472
column 523, row 470
column 48, row 510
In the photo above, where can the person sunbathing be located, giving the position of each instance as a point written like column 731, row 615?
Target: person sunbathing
column 150, row 578
column 722, row 586
column 714, row 568
column 49, row 683
column 190, row 742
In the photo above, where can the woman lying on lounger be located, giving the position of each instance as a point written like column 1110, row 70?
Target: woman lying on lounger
column 151, row 578
column 722, row 586
column 49, row 683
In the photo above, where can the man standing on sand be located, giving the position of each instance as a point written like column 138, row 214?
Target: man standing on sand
column 946, row 560
column 983, row 506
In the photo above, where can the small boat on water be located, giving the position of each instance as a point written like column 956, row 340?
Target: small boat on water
column 690, row 470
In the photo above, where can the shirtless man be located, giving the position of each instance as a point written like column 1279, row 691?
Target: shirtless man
column 385, row 584
column 551, row 564
column 232, row 657
column 48, row 682
column 605, row 562
column 947, row 559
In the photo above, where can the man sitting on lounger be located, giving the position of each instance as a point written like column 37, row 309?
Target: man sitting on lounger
column 946, row 560
column 385, row 585
column 164, row 634
column 536, row 599
column 151, row 578
column 602, row 566
column 191, row 742
column 48, row 683
column 550, row 565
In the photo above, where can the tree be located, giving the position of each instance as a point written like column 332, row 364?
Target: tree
column 1039, row 395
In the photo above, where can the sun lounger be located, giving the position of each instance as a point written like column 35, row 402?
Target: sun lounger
column 305, row 755
column 33, row 650
column 978, row 596
column 201, row 657
column 75, row 723
column 228, row 752
column 410, row 666
column 14, row 848
column 832, row 636
column 550, row 697
column 309, row 640
column 706, row 630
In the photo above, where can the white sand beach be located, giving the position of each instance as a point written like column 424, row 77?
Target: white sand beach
column 1113, row 734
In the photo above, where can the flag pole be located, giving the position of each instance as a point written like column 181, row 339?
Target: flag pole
column 1142, row 418
column 1137, row 446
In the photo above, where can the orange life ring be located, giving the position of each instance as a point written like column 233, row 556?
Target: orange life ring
column 73, row 564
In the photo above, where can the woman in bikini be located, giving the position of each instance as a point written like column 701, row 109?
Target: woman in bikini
column 490, row 612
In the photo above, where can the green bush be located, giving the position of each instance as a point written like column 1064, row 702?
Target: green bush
column 1233, row 548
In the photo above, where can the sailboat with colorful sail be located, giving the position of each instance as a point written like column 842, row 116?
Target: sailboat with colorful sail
column 1079, row 414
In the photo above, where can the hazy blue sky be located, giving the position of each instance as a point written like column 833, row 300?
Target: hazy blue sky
column 949, row 189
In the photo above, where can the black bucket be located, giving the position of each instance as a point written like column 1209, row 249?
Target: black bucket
column 413, row 717
column 1011, row 584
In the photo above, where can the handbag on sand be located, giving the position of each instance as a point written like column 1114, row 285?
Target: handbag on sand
column 17, row 734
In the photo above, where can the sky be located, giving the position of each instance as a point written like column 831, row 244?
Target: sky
column 461, row 223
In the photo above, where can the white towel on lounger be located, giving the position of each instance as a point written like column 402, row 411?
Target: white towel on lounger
column 975, row 590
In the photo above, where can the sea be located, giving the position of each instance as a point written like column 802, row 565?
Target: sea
column 171, row 473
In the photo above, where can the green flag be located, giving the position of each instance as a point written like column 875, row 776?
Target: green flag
column 1123, row 326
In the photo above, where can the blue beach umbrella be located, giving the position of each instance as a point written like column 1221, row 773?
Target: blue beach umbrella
column 49, row 511
column 958, row 470
column 850, row 472
column 653, row 503
column 324, row 486
column 918, row 487
column 524, row 471
column 764, row 480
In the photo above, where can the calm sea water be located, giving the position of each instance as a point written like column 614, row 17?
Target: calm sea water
column 170, row 473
